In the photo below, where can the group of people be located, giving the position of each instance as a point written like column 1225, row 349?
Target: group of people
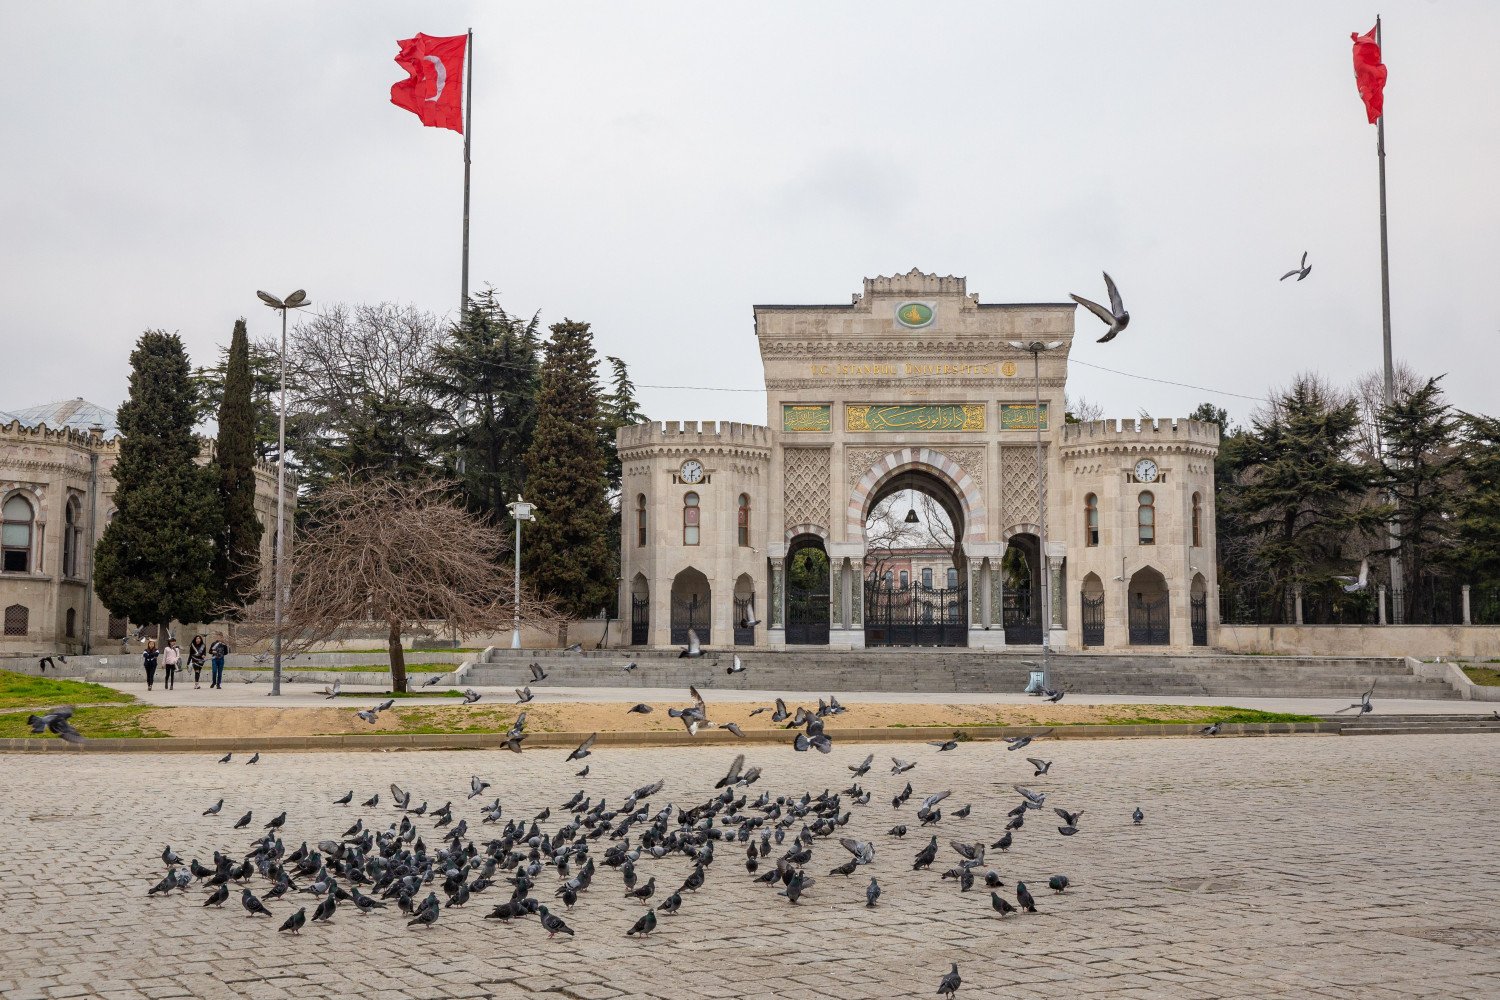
column 171, row 659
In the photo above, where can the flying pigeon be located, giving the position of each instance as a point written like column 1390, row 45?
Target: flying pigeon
column 56, row 721
column 577, row 647
column 863, row 767
column 1212, row 730
column 523, row 695
column 1363, row 706
column 1115, row 316
column 1053, row 696
column 944, row 745
column 734, row 728
column 583, row 748
column 471, row 696
column 368, row 715
column 1042, row 766
column 1069, row 818
column 1301, row 270
column 385, row 706
column 1353, row 584
column 640, row 709
column 332, row 692
column 694, row 647
column 737, row 667
column 899, row 766
column 537, row 673
column 429, row 682
column 477, row 786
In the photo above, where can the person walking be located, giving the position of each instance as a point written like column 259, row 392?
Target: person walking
column 148, row 659
column 218, row 651
column 197, row 653
column 169, row 659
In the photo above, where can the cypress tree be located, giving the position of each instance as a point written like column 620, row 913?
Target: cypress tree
column 237, row 548
column 565, row 552
column 154, row 563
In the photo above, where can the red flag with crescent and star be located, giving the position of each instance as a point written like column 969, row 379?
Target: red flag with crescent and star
column 434, row 90
column 1369, row 72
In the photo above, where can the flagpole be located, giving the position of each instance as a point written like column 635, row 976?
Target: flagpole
column 468, row 125
column 1393, row 531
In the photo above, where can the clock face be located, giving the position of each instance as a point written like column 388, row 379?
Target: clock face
column 1145, row 470
column 692, row 471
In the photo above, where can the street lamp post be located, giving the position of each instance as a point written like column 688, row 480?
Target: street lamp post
column 521, row 511
column 1035, row 349
column 296, row 300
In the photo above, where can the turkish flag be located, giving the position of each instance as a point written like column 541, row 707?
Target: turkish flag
column 434, row 90
column 1369, row 72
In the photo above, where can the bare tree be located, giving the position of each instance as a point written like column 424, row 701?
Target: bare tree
column 404, row 554
column 1082, row 411
column 1369, row 393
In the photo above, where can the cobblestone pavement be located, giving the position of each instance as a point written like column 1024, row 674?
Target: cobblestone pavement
column 1285, row 867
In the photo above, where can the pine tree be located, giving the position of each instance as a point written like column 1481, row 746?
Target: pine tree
column 154, row 563
column 1418, row 470
column 237, row 549
column 620, row 409
column 565, row 553
column 1477, row 553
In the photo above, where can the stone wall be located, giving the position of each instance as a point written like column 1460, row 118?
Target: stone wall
column 1419, row 641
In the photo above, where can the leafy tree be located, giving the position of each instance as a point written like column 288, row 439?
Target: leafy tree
column 1477, row 549
column 485, row 378
column 1417, row 473
column 154, row 563
column 1209, row 413
column 265, row 375
column 237, row 547
column 566, row 552
column 1298, row 497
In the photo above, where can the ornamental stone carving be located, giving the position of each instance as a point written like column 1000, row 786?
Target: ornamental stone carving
column 806, row 483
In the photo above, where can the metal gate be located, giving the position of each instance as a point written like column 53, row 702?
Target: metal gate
column 1148, row 622
column 1093, row 620
column 692, row 613
column 1199, row 604
column 915, row 615
column 807, row 617
column 1021, row 627
column 744, row 635
column 640, row 621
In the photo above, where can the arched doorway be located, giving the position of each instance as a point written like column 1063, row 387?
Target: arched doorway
column 1021, row 605
column 1149, row 609
column 1091, row 610
column 1198, row 604
column 640, row 610
column 691, row 607
column 916, row 577
column 744, row 611
column 808, row 609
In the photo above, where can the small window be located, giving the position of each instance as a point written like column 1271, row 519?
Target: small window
column 640, row 520
column 905, row 579
column 690, row 514
column 15, row 539
column 17, row 619
column 1146, row 518
column 1197, row 520
column 70, row 626
column 927, row 577
column 745, row 519
column 1091, row 519
column 952, row 577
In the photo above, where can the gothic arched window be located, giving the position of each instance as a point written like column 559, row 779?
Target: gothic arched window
column 640, row 520
column 1146, row 518
column 16, row 533
column 1197, row 519
column 745, row 519
column 1091, row 520
column 690, row 514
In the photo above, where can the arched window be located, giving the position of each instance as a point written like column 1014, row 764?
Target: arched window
column 690, row 519
column 1197, row 520
column 15, row 539
column 905, row 579
column 927, row 577
column 71, row 626
column 745, row 519
column 72, row 537
column 952, row 577
column 1146, row 518
column 640, row 520
column 17, row 618
column 1091, row 519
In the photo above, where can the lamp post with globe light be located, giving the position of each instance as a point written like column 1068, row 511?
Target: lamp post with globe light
column 521, row 511
column 1035, row 348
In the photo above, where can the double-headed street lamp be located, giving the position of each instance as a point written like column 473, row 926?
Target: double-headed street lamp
column 521, row 511
column 1035, row 349
column 296, row 300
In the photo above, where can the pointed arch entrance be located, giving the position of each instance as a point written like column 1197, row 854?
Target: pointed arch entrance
column 808, row 607
column 1149, row 609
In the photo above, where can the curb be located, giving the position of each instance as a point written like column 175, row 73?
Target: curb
column 713, row 737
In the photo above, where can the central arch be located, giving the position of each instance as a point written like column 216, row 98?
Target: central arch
column 908, row 603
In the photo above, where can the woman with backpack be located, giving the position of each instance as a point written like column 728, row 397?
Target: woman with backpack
column 197, row 653
column 148, row 660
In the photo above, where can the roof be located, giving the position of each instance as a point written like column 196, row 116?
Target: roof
column 77, row 413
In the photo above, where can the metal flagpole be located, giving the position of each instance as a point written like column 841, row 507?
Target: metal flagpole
column 1393, row 531
column 463, row 304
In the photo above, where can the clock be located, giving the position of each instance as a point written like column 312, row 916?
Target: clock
column 691, row 472
column 1145, row 471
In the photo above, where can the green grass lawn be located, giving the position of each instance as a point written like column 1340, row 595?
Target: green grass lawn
column 1488, row 676
column 27, row 689
column 95, row 723
column 1210, row 714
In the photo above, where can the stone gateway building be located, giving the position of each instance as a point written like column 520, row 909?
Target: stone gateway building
column 762, row 536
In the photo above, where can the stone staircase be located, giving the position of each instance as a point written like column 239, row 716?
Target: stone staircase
column 938, row 671
column 1376, row 724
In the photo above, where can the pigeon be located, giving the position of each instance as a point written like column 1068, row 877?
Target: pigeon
column 737, row 667
column 332, row 692
column 694, row 647
column 863, row 850
column 733, row 775
column 863, row 767
column 949, row 984
column 400, row 798
column 628, row 667
column 899, row 766
column 56, row 722
column 643, row 926
column 213, row 810
column 368, row 716
column 1003, row 844
column 583, row 748
column 582, row 774
column 326, row 908
column 1058, row 883
column 1035, row 798
column 243, row 821
column 372, row 801
column 1053, row 696
column 1067, row 831
column 944, row 745
column 872, row 893
column 899, row 830
column 523, row 695
column 254, row 760
column 1021, row 742
column 1115, row 316
column 926, row 855
column 1138, row 817
column 217, row 897
column 385, row 706
column 477, row 786
column 1042, row 766
column 252, row 905
column 1212, row 730
column 553, row 923
column 646, row 891
column 1069, row 818
column 577, row 647
column 1302, row 270
column 429, row 682
column 295, row 922
column 537, row 673
column 1354, row 584
column 426, row 917
column 225, row 759
column 276, row 824
column 471, row 696
column 1023, row 896
column 641, row 709
column 1001, row 906
column 734, row 728
column 1363, row 705
column 672, row 903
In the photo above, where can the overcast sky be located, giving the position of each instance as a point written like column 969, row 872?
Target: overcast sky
column 656, row 169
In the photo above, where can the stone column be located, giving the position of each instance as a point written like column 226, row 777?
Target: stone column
column 1297, row 602
column 1468, row 620
column 777, row 608
column 976, row 595
column 1381, row 591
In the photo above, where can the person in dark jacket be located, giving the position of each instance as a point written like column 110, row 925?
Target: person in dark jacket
column 218, row 651
column 148, row 659
column 196, row 654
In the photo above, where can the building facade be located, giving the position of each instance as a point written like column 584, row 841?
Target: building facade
column 918, row 385
column 56, row 494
